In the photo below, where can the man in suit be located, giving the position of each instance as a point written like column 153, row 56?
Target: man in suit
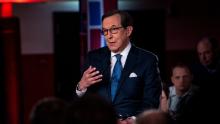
column 139, row 85
column 206, row 73
column 184, row 97
column 207, row 70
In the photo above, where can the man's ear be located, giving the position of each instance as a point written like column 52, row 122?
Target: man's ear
column 129, row 30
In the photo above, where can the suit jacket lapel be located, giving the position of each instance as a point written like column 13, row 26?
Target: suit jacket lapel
column 106, row 72
column 129, row 65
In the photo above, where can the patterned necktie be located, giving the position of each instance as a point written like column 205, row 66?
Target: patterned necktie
column 116, row 74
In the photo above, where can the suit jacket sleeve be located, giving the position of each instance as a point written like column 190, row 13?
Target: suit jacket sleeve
column 152, row 87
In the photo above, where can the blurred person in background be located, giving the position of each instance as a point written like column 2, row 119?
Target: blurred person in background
column 207, row 70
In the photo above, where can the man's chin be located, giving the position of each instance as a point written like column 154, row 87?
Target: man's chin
column 113, row 49
column 206, row 63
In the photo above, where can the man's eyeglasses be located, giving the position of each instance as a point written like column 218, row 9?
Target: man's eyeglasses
column 112, row 30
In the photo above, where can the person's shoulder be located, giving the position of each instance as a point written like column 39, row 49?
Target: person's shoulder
column 195, row 87
column 196, row 67
column 145, row 53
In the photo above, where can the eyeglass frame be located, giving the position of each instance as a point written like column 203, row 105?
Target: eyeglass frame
column 112, row 30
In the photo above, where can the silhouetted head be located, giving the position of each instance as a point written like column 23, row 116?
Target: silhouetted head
column 91, row 109
column 153, row 117
column 48, row 111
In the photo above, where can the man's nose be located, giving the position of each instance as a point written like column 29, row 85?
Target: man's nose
column 181, row 79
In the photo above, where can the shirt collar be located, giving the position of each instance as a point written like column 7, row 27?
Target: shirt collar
column 173, row 91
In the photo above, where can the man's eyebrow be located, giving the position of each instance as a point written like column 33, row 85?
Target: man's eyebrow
column 110, row 27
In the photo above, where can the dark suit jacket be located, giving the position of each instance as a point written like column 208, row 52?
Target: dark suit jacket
column 134, row 94
column 188, row 108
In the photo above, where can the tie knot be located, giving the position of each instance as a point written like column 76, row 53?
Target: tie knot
column 118, row 56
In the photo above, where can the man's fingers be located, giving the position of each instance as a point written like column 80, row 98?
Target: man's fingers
column 94, row 73
column 96, row 79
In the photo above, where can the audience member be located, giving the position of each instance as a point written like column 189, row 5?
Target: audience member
column 183, row 100
column 207, row 70
column 48, row 111
column 90, row 109
column 153, row 116
column 207, row 75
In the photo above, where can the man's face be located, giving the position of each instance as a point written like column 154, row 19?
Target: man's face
column 117, row 37
column 205, row 53
column 181, row 78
